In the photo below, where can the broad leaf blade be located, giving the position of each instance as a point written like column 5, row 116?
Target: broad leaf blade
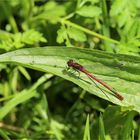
column 123, row 71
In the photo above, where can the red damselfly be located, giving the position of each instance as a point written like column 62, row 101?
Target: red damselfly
column 71, row 63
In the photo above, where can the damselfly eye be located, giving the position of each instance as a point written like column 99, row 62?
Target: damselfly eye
column 70, row 62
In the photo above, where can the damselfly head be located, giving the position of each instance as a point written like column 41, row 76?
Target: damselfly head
column 70, row 62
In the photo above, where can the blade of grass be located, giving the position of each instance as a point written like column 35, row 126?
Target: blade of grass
column 19, row 98
column 4, row 135
column 101, row 128
column 128, row 126
column 87, row 130
column 22, row 97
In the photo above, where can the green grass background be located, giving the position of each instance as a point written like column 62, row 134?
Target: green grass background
column 39, row 98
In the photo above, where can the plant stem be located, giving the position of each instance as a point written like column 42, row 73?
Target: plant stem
column 89, row 31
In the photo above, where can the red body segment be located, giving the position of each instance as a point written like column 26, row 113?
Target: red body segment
column 79, row 67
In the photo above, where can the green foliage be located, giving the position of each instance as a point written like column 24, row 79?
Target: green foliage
column 101, row 129
column 35, row 105
column 19, row 40
column 100, row 64
column 127, row 24
column 87, row 130
column 89, row 11
column 70, row 32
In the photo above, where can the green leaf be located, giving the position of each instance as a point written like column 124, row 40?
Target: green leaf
column 6, row 44
column 22, row 96
column 117, row 7
column 83, row 2
column 123, row 17
column 87, row 130
column 19, row 98
column 32, row 36
column 42, row 107
column 4, row 135
column 73, row 33
column 119, row 123
column 4, row 35
column 121, row 71
column 50, row 10
column 128, row 125
column 134, row 30
column 18, row 40
column 53, row 9
column 132, row 47
column 101, row 128
column 24, row 72
column 61, row 34
column 57, row 129
column 76, row 34
column 89, row 11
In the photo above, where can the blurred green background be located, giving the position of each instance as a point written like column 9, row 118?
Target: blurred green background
column 38, row 105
